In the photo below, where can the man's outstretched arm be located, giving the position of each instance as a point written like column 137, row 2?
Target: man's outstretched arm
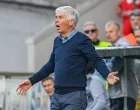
column 44, row 71
column 41, row 74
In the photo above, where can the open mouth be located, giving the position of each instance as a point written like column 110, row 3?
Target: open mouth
column 57, row 26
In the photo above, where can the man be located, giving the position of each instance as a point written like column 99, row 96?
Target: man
column 72, row 51
column 124, row 9
column 48, row 85
column 116, row 91
column 97, row 95
column 113, row 34
column 135, row 20
column 91, row 30
column 137, row 59
column 137, row 34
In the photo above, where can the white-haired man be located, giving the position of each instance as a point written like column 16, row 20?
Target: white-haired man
column 72, row 51
column 91, row 30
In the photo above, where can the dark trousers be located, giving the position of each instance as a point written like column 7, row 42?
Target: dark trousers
column 70, row 101
column 118, row 103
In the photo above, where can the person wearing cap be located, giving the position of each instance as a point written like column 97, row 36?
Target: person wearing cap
column 135, row 20
column 91, row 30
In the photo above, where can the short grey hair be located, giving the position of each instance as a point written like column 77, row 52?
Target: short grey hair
column 135, row 13
column 89, row 23
column 71, row 13
column 113, row 22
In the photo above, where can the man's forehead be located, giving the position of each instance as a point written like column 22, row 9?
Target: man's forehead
column 89, row 25
column 110, row 27
column 60, row 13
column 135, row 17
column 48, row 81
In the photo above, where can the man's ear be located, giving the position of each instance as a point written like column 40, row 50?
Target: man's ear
column 97, row 32
column 71, row 22
column 119, row 32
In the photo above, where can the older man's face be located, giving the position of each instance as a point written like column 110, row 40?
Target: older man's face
column 63, row 24
column 137, row 35
column 112, row 33
column 92, row 32
column 135, row 20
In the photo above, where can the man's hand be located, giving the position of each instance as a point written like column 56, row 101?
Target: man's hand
column 112, row 78
column 23, row 87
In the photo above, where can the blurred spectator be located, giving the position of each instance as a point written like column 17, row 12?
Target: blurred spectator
column 97, row 94
column 124, row 9
column 48, row 85
column 137, row 34
column 116, row 91
column 135, row 20
column 98, row 98
column 91, row 30
column 113, row 34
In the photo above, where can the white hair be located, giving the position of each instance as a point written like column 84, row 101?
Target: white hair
column 71, row 13
column 89, row 23
column 113, row 22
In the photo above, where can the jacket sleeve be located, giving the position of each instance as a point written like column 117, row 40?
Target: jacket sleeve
column 93, row 58
column 44, row 72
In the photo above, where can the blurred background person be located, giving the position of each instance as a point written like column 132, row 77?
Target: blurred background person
column 137, row 63
column 113, row 34
column 48, row 85
column 124, row 9
column 137, row 34
column 135, row 20
column 116, row 93
column 97, row 94
column 91, row 30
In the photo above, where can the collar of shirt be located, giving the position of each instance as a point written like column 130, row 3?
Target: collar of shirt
column 118, row 41
column 69, row 36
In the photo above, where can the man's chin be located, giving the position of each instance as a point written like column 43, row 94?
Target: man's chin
column 58, row 31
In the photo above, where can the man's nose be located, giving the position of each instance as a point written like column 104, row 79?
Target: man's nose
column 135, row 22
column 107, row 35
column 56, row 20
